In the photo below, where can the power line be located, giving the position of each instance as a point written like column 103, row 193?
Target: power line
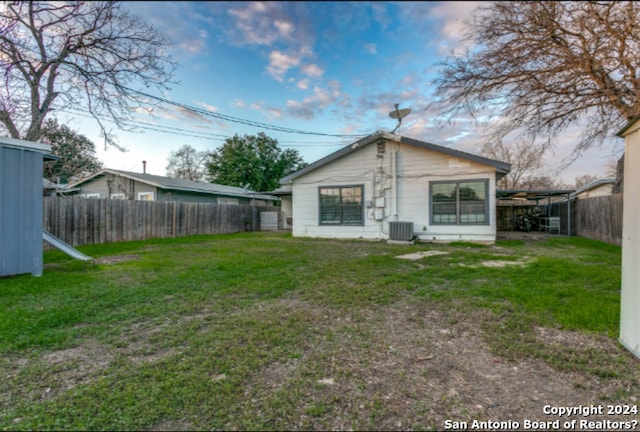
column 234, row 119
column 230, row 118
column 190, row 133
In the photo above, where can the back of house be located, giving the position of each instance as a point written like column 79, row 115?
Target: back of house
column 385, row 186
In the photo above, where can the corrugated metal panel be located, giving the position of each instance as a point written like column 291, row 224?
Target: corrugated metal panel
column 268, row 221
column 402, row 231
column 20, row 211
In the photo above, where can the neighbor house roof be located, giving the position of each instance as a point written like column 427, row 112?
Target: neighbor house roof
column 168, row 183
column 502, row 168
column 595, row 183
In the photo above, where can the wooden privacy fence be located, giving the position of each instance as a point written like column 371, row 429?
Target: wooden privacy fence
column 599, row 218
column 81, row 221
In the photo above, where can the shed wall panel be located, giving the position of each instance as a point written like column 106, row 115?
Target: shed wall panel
column 630, row 295
column 20, row 211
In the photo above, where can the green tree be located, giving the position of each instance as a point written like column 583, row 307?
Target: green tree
column 82, row 55
column 254, row 161
column 76, row 153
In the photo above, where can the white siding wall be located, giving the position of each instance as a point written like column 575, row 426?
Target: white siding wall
column 630, row 299
column 416, row 167
column 603, row 190
column 357, row 168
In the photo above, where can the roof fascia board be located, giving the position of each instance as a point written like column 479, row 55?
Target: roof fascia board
column 501, row 167
column 596, row 183
column 625, row 130
column 114, row 172
column 333, row 156
column 25, row 145
column 164, row 187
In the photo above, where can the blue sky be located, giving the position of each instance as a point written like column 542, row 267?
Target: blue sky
column 334, row 68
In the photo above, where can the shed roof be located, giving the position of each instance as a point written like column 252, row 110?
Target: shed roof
column 169, row 183
column 502, row 168
column 530, row 194
column 45, row 149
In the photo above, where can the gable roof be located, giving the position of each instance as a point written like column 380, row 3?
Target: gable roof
column 502, row 168
column 595, row 183
column 168, row 183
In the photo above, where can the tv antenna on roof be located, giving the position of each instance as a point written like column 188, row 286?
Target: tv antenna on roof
column 399, row 114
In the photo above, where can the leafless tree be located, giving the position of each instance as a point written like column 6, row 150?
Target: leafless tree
column 524, row 156
column 547, row 65
column 76, row 55
column 585, row 179
column 187, row 163
column 543, row 183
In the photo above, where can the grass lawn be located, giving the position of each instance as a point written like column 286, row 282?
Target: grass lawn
column 265, row 331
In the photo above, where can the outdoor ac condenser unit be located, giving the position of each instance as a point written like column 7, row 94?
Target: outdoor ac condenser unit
column 402, row 231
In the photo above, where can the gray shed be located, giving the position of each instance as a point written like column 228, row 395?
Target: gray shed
column 21, row 166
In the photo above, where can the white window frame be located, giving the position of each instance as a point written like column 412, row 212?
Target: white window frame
column 141, row 196
column 343, row 210
column 459, row 216
column 228, row 201
column 92, row 195
column 117, row 196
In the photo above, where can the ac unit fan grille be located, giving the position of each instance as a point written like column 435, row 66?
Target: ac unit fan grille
column 402, row 231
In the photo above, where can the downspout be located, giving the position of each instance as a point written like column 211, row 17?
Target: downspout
column 394, row 184
column 568, row 215
column 380, row 204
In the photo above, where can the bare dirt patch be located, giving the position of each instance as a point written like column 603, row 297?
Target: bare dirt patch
column 419, row 255
column 115, row 259
column 411, row 365
column 499, row 263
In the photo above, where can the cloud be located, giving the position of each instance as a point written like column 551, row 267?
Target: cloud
column 284, row 28
column 312, row 70
column 280, row 63
column 270, row 113
column 207, row 106
column 371, row 48
column 444, row 22
column 267, row 23
column 320, row 99
column 187, row 33
column 192, row 115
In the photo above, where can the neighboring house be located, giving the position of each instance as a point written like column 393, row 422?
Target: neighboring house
column 382, row 185
column 116, row 184
column 284, row 192
column 50, row 188
column 596, row 188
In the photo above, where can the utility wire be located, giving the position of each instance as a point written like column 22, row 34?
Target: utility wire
column 230, row 118
column 190, row 133
column 233, row 119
